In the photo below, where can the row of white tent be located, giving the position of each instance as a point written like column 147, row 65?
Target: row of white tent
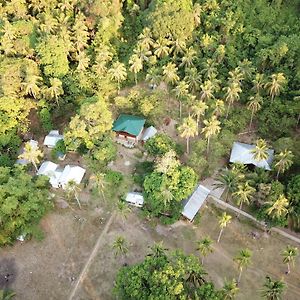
column 61, row 177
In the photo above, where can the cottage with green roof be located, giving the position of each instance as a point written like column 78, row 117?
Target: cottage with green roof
column 129, row 128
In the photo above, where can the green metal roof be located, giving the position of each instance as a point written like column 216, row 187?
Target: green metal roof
column 129, row 124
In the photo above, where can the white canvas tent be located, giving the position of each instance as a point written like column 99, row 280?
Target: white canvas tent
column 149, row 133
column 21, row 161
column 50, row 169
column 71, row 173
column 241, row 153
column 135, row 199
column 194, row 203
column 52, row 138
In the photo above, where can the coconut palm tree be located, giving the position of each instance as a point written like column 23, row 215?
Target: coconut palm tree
column 73, row 189
column 232, row 93
column 181, row 92
column 245, row 67
column 204, row 246
column 100, row 182
column 83, row 61
column 145, row 39
column 170, row 73
column 224, row 220
column 207, row 90
column 123, row 209
column 7, row 294
column 289, row 255
column 153, row 76
column 188, row 129
column 229, row 290
column 254, row 105
column 244, row 194
column 198, row 110
column 178, row 46
column 188, row 58
column 273, row 289
column 209, row 68
column 118, row 73
column 120, row 246
column 276, row 84
column 55, row 90
column 219, row 107
column 283, row 161
column 31, row 85
column 136, row 65
column 161, row 47
column 32, row 154
column 258, row 83
column 236, row 76
column 212, row 127
column 260, row 152
column 193, row 79
column 279, row 208
column 243, row 260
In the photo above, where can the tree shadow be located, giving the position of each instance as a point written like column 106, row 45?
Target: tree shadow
column 8, row 272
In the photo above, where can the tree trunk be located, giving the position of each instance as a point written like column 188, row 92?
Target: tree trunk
column 208, row 145
column 277, row 175
column 227, row 110
column 240, row 275
column 135, row 78
column 288, row 268
column 202, row 260
column 34, row 164
column 220, row 234
column 76, row 197
column 251, row 120
column 180, row 109
column 188, row 145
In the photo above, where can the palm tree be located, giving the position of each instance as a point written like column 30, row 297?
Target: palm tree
column 136, row 65
column 158, row 251
column 212, row 127
column 243, row 260
column 55, row 90
column 193, row 79
column 229, row 290
column 275, row 85
column 161, row 47
column 83, row 61
column 118, row 73
column 31, row 85
column 279, row 208
column 219, row 107
column 170, row 73
column 236, row 76
column 120, row 246
column 32, row 154
column 123, row 209
column 284, row 160
column 178, row 47
column 244, row 194
column 145, row 39
column 209, row 68
column 260, row 152
column 153, row 76
column 198, row 110
column 188, row 129
column 204, row 246
column 73, row 189
column 245, row 67
column 207, row 90
column 289, row 255
column 273, row 289
column 232, row 94
column 224, row 220
column 188, row 58
column 181, row 91
column 258, row 83
column 100, row 182
column 254, row 105
column 7, row 294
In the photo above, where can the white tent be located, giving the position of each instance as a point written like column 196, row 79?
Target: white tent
column 71, row 173
column 135, row 199
column 241, row 153
column 21, row 161
column 50, row 169
column 52, row 138
column 149, row 133
column 194, row 203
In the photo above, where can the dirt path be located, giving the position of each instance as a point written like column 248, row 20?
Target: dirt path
column 91, row 257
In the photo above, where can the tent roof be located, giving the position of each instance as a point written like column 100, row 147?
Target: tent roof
column 129, row 124
column 70, row 173
column 241, row 153
column 136, row 198
column 149, row 133
column 195, row 202
column 52, row 138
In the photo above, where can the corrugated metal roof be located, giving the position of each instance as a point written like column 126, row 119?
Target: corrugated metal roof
column 241, row 153
column 195, row 202
column 149, row 133
column 129, row 124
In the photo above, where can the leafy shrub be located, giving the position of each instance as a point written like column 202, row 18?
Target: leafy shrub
column 45, row 117
column 113, row 177
column 160, row 144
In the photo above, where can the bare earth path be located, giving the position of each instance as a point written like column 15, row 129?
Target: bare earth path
column 91, row 257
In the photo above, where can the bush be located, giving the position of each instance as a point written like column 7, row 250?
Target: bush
column 113, row 177
column 160, row 144
column 45, row 118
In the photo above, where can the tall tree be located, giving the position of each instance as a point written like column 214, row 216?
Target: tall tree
column 244, row 194
column 187, row 61
column 207, row 90
column 224, row 220
column 289, row 255
column 204, row 246
column 161, row 47
column 73, row 189
column 229, row 290
column 32, row 154
column 181, row 92
column 273, row 289
column 100, row 183
column 276, row 84
column 188, row 129
column 283, row 161
column 254, row 105
column 260, row 152
column 243, row 260
column 31, row 85
column 198, row 110
column 136, row 65
column 232, row 93
column 212, row 128
column 170, row 73
column 55, row 90
column 118, row 73
column 279, row 208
